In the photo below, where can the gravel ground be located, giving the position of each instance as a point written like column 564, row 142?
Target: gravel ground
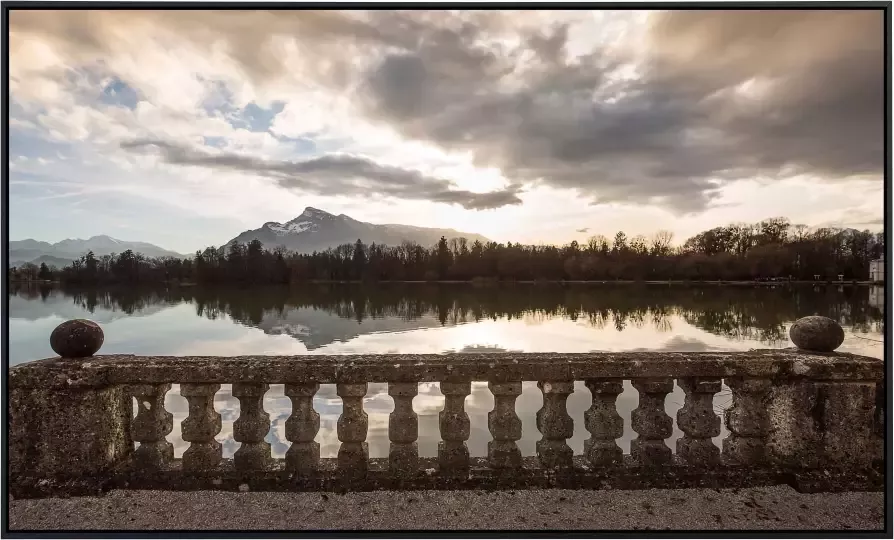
column 762, row 508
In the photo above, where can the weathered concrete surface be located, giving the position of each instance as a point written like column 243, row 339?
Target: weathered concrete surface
column 691, row 509
column 777, row 364
column 74, row 432
column 626, row 475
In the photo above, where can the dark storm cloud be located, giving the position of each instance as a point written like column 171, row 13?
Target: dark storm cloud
column 334, row 174
column 717, row 96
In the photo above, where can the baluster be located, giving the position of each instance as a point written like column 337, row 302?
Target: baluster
column 698, row 421
column 603, row 422
column 151, row 425
column 403, row 429
column 200, row 427
column 251, row 427
column 505, row 426
column 747, row 420
column 453, row 453
column 353, row 454
column 650, row 421
column 302, row 427
column 555, row 424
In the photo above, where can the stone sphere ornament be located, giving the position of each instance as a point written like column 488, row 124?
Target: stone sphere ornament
column 816, row 333
column 78, row 338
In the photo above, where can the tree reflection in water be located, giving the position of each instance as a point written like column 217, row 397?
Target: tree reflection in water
column 735, row 312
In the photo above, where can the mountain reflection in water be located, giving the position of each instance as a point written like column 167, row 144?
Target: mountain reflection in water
column 392, row 318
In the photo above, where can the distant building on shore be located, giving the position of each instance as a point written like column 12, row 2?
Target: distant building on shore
column 877, row 270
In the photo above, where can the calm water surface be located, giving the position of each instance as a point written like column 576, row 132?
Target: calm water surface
column 345, row 319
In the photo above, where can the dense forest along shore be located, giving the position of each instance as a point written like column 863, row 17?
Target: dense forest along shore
column 770, row 251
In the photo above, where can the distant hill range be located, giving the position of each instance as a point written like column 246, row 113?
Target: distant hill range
column 313, row 230
column 62, row 253
column 317, row 230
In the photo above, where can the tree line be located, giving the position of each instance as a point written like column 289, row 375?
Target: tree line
column 772, row 248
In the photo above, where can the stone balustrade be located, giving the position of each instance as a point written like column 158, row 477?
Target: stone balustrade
column 797, row 417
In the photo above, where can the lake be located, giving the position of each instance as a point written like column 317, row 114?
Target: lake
column 443, row 319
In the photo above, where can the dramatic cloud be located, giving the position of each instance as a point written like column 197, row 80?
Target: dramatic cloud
column 670, row 119
column 718, row 96
column 798, row 89
column 335, row 174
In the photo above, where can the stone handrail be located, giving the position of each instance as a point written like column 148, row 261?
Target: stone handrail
column 813, row 420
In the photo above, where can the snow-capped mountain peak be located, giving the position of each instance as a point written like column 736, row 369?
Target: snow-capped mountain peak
column 292, row 227
column 317, row 230
column 313, row 214
column 309, row 220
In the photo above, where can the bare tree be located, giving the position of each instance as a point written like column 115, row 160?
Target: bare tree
column 661, row 242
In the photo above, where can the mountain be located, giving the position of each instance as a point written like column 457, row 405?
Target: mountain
column 49, row 260
column 63, row 252
column 317, row 230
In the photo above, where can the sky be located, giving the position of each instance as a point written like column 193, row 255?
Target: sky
column 185, row 128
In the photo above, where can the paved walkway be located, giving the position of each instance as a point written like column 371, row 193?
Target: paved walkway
column 763, row 508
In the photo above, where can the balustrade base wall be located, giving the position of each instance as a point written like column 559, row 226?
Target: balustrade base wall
column 628, row 474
